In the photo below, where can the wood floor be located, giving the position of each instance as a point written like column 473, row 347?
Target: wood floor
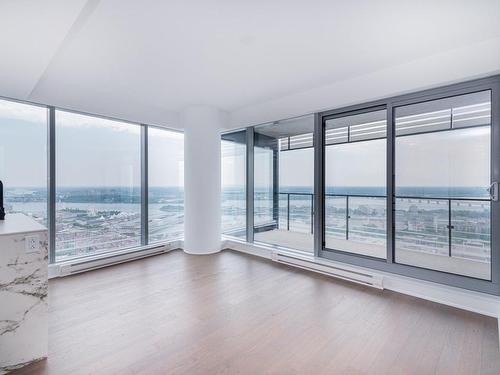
column 236, row 314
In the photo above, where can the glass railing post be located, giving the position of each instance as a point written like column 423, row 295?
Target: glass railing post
column 347, row 217
column 288, row 211
column 450, row 227
column 312, row 213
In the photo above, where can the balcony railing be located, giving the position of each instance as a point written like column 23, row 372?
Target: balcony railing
column 457, row 227
column 294, row 196
column 345, row 207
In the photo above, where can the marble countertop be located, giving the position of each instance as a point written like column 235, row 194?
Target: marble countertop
column 19, row 223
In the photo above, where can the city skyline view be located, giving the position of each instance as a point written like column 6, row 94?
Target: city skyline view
column 98, row 196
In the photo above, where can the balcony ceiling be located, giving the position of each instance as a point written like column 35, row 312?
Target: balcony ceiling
column 147, row 60
column 287, row 128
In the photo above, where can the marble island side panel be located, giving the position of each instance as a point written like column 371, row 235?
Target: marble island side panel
column 23, row 300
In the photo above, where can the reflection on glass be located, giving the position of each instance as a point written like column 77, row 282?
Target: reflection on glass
column 166, row 184
column 296, row 212
column 355, row 184
column 442, row 165
column 233, row 175
column 97, row 186
column 452, row 163
column 283, row 187
column 23, row 159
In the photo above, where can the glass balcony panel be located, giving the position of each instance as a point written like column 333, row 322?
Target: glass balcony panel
column 421, row 226
column 367, row 223
column 283, row 222
column 471, row 230
column 301, row 213
column 335, row 219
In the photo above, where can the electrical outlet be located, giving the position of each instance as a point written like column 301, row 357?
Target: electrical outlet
column 32, row 244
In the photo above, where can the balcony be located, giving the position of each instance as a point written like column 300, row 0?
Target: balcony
column 448, row 234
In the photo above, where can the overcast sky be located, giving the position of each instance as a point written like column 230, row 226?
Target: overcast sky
column 97, row 152
column 458, row 158
column 23, row 140
column 90, row 151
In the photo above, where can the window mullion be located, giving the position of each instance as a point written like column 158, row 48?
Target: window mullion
column 144, row 186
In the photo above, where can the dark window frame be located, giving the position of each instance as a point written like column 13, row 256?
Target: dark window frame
column 340, row 114
column 51, row 177
column 389, row 264
column 143, row 188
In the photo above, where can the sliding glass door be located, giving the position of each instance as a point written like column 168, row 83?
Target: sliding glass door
column 442, row 177
column 405, row 185
column 355, row 183
column 409, row 185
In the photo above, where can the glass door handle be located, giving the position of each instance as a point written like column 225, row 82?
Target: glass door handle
column 493, row 190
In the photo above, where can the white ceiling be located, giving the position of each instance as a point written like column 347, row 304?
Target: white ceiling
column 147, row 60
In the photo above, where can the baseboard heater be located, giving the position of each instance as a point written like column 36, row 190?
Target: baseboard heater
column 110, row 260
column 359, row 277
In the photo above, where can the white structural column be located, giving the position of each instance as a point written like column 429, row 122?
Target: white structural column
column 202, row 179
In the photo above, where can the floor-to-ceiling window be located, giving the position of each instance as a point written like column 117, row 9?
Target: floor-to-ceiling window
column 23, row 158
column 355, row 183
column 442, row 170
column 98, row 174
column 166, row 184
column 436, row 155
column 407, row 184
column 98, row 179
column 283, row 183
column 233, row 183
